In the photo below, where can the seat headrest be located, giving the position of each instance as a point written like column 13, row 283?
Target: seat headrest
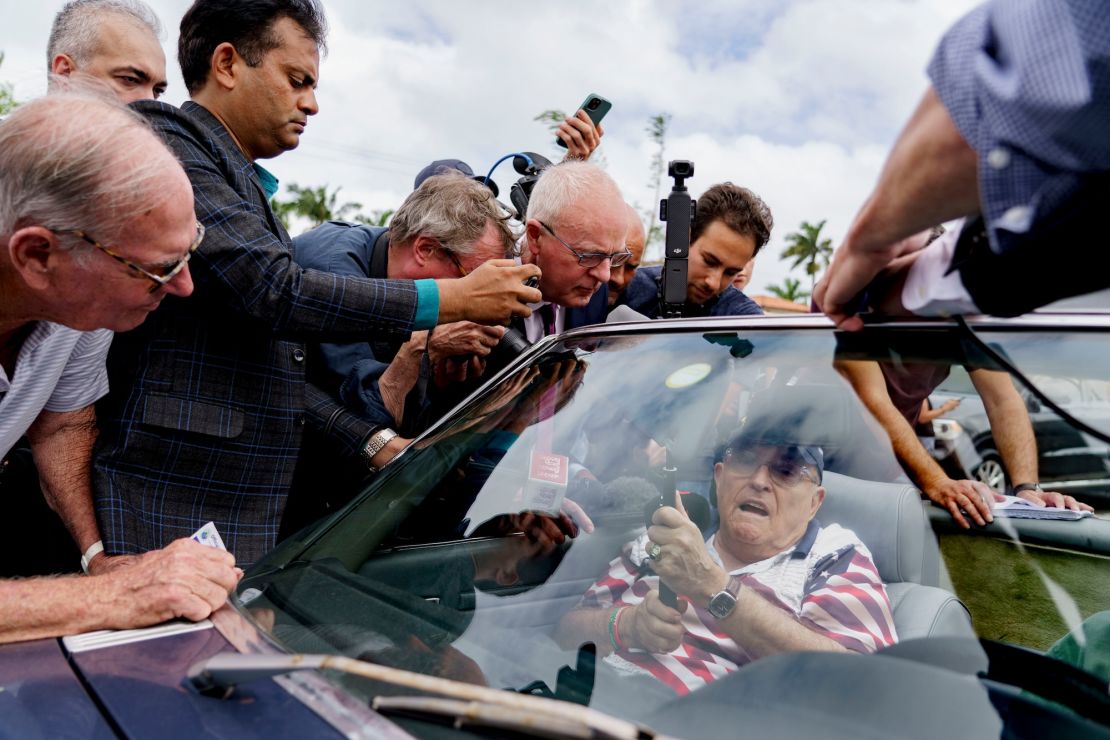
column 889, row 519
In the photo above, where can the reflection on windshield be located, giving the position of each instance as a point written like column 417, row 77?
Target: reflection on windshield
column 530, row 524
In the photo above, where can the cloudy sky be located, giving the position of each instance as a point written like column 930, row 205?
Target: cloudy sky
column 797, row 99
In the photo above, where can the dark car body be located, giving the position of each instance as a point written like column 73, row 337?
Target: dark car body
column 426, row 570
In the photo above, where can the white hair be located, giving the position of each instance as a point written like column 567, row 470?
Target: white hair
column 75, row 160
column 76, row 29
column 565, row 184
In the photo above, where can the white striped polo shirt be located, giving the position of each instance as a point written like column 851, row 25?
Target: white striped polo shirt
column 58, row 369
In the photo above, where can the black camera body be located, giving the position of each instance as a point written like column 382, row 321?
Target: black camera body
column 678, row 210
column 529, row 165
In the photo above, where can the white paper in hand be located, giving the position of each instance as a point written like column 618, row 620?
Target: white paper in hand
column 208, row 536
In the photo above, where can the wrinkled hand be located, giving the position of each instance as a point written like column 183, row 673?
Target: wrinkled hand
column 684, row 563
column 1052, row 498
column 102, row 563
column 580, row 135
column 970, row 496
column 652, row 625
column 185, row 579
column 462, row 338
column 491, row 294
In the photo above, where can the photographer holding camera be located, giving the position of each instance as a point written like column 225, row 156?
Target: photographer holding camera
column 574, row 231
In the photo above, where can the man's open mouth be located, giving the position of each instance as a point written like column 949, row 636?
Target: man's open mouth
column 754, row 507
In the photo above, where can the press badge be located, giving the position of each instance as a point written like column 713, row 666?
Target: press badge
column 547, row 482
column 209, row 537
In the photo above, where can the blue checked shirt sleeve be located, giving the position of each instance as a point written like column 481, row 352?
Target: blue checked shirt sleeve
column 1027, row 83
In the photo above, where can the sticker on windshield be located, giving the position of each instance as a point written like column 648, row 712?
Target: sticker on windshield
column 547, row 482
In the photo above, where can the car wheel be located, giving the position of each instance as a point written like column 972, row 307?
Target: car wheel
column 991, row 471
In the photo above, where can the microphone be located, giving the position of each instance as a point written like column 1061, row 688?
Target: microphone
column 623, row 313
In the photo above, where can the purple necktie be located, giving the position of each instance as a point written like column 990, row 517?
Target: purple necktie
column 547, row 314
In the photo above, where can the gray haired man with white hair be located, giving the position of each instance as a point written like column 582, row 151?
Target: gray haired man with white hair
column 114, row 41
column 575, row 231
column 96, row 228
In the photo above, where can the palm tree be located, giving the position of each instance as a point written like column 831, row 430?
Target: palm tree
column 375, row 218
column 806, row 247
column 7, row 96
column 790, row 290
column 315, row 204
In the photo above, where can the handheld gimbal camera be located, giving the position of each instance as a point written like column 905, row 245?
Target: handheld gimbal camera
column 678, row 211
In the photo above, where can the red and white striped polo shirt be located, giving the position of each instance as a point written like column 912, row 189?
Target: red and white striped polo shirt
column 828, row 581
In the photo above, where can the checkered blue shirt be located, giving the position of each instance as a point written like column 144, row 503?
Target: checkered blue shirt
column 209, row 403
column 1027, row 83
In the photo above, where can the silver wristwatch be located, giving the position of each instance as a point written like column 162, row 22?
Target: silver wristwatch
column 724, row 601
column 378, row 440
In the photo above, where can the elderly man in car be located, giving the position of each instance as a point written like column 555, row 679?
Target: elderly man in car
column 771, row 579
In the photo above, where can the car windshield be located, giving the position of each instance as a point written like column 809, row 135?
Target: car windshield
column 508, row 545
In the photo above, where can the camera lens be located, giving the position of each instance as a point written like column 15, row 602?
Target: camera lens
column 593, row 104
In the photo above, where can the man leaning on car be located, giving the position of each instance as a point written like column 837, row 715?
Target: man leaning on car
column 209, row 404
column 78, row 258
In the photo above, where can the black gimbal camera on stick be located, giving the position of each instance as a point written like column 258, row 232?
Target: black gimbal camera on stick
column 678, row 210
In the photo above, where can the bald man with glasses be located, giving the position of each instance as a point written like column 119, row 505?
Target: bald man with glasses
column 69, row 160
column 575, row 233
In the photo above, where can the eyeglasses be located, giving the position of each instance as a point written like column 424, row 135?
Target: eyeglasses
column 451, row 256
column 786, row 469
column 592, row 259
column 166, row 272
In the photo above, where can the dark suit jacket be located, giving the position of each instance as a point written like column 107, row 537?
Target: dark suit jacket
column 209, row 403
column 593, row 312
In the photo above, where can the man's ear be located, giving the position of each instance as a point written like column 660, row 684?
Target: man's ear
column 62, row 65
column 424, row 249
column 33, row 251
column 818, row 499
column 532, row 235
column 222, row 65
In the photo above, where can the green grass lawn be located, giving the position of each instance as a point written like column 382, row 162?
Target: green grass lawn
column 1006, row 594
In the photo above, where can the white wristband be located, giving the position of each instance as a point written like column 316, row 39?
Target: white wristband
column 94, row 549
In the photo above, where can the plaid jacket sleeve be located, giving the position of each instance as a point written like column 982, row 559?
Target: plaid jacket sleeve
column 246, row 261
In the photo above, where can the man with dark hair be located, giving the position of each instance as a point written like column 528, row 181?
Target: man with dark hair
column 114, row 41
column 209, row 402
column 731, row 225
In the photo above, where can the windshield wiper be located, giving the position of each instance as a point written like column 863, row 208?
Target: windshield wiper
column 218, row 675
column 494, row 716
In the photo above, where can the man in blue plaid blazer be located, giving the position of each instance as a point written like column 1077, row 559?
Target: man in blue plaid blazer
column 208, row 402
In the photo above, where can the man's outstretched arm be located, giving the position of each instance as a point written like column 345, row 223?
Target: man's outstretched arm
column 929, row 177
column 866, row 379
column 186, row 579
